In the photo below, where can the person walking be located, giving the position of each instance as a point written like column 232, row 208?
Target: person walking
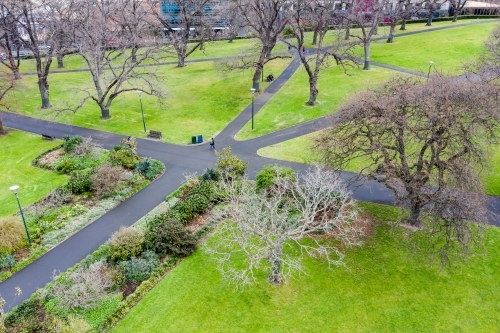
column 212, row 144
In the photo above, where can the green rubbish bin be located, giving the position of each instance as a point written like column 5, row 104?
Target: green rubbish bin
column 200, row 138
column 193, row 139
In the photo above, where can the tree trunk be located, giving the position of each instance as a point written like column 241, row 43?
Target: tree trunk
column 414, row 218
column 313, row 91
column 256, row 76
column 202, row 45
column 366, row 48
column 12, row 64
column 181, row 56
column 429, row 20
column 347, row 31
column 315, row 37
column 390, row 39
column 104, row 112
column 134, row 54
column 403, row 24
column 43, row 86
column 275, row 276
column 2, row 131
column 60, row 63
column 455, row 16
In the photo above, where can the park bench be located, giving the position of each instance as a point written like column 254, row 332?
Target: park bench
column 154, row 134
column 48, row 137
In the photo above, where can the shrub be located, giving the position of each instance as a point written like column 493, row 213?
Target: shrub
column 66, row 165
column 210, row 174
column 125, row 243
column 123, row 157
column 149, row 168
column 139, row 269
column 7, row 260
column 205, row 188
column 71, row 142
column 185, row 210
column 12, row 234
column 79, row 181
column 266, row 177
column 26, row 315
column 171, row 238
column 105, row 179
column 87, row 148
column 230, row 166
column 83, row 288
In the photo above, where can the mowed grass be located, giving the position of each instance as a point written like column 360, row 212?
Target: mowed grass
column 200, row 99
column 383, row 31
column 288, row 107
column 216, row 49
column 301, row 150
column 17, row 151
column 381, row 289
column 449, row 49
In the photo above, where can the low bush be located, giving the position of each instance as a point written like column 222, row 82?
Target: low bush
column 30, row 316
column 229, row 165
column 123, row 157
column 267, row 176
column 171, row 238
column 105, row 179
column 139, row 269
column 210, row 174
column 66, row 165
column 125, row 243
column 7, row 260
column 12, row 234
column 149, row 168
column 79, row 181
column 70, row 142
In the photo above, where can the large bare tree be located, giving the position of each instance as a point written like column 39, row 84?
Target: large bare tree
column 6, row 85
column 296, row 212
column 429, row 140
column 9, row 40
column 105, row 45
column 456, row 7
column 304, row 15
column 178, row 19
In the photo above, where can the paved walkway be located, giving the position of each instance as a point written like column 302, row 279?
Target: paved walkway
column 178, row 160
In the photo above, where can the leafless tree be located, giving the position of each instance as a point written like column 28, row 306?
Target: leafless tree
column 367, row 15
column 231, row 18
column 303, row 15
column 9, row 38
column 429, row 142
column 432, row 6
column 400, row 10
column 456, row 7
column 312, row 212
column 189, row 16
column 6, row 85
column 31, row 17
column 487, row 66
column 105, row 46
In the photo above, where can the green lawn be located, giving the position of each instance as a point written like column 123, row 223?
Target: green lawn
column 217, row 49
column 288, row 107
column 381, row 289
column 200, row 100
column 448, row 49
column 17, row 152
column 301, row 150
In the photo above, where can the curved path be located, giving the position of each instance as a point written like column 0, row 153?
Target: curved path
column 178, row 161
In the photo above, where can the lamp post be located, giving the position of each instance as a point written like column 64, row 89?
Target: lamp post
column 429, row 72
column 139, row 92
column 14, row 190
column 253, row 94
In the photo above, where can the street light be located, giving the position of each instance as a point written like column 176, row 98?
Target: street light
column 14, row 190
column 139, row 92
column 430, row 65
column 252, row 90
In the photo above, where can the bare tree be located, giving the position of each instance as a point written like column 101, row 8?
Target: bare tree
column 232, row 21
column 456, row 7
column 367, row 15
column 429, row 141
column 178, row 18
column 400, row 10
column 303, row 15
column 9, row 39
column 487, row 66
column 31, row 17
column 432, row 6
column 264, row 226
column 105, row 47
column 6, row 84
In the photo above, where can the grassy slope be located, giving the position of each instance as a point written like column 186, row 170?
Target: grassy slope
column 181, row 115
column 448, row 49
column 381, row 290
column 288, row 107
column 17, row 152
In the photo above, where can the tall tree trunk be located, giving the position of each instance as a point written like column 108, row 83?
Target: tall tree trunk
column 414, row 218
column 403, row 24
column 315, row 37
column 276, row 277
column 429, row 20
column 455, row 16
column 104, row 112
column 313, row 91
column 202, row 45
column 181, row 57
column 392, row 29
column 347, row 31
column 43, row 86
column 59, row 56
column 366, row 48
column 134, row 53
column 2, row 131
column 256, row 76
column 12, row 64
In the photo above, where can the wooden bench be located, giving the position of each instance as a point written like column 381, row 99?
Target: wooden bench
column 154, row 134
column 48, row 137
